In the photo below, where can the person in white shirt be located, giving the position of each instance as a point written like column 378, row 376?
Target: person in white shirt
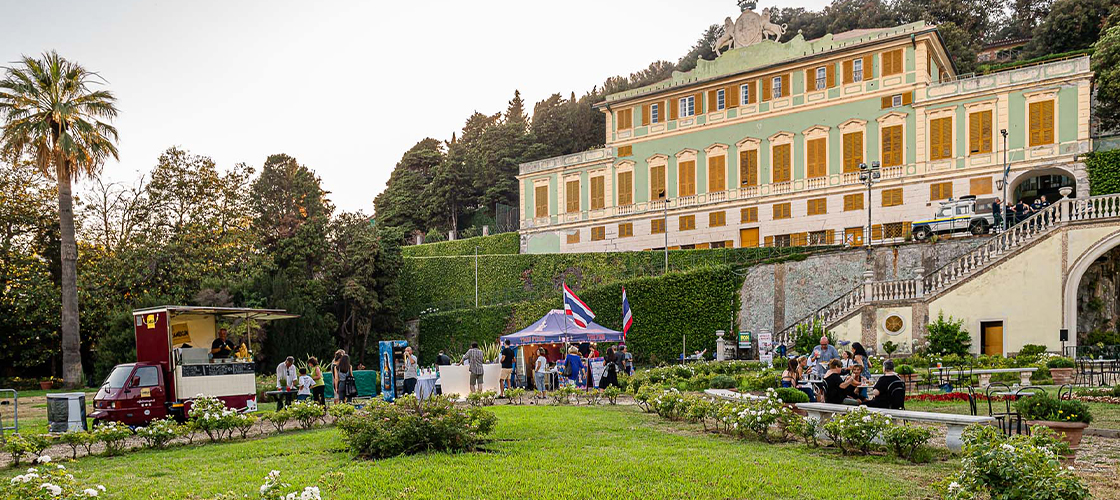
column 305, row 383
column 285, row 381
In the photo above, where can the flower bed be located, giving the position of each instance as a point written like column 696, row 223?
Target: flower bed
column 382, row 429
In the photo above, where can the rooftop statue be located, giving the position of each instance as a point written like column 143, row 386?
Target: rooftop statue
column 750, row 28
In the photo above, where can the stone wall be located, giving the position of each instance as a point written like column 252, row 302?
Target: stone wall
column 777, row 295
column 1098, row 296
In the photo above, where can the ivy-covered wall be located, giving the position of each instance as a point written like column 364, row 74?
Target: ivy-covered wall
column 1104, row 172
column 680, row 306
column 447, row 283
column 505, row 243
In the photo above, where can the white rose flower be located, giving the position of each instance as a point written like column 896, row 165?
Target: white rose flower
column 55, row 490
column 90, row 492
column 45, row 459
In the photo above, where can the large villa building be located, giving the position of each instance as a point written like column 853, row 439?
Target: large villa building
column 762, row 146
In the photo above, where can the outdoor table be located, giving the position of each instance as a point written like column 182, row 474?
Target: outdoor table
column 425, row 386
column 283, row 398
column 986, row 373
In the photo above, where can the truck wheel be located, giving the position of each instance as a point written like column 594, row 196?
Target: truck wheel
column 978, row 227
column 922, row 233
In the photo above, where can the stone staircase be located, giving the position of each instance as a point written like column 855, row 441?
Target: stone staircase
column 991, row 251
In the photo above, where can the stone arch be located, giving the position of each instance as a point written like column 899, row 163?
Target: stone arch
column 1021, row 177
column 1073, row 280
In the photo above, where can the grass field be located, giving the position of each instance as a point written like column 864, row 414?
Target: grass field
column 537, row 451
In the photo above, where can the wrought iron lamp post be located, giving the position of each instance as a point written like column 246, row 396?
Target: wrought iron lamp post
column 869, row 175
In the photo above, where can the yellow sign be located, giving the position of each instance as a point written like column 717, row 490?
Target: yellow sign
column 180, row 334
column 150, row 320
column 145, row 392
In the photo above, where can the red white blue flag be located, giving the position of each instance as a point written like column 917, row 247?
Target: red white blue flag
column 627, row 318
column 579, row 312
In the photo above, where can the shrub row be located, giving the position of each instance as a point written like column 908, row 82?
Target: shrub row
column 691, row 305
column 505, row 243
column 382, row 429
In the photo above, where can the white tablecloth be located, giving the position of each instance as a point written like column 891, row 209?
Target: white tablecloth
column 425, row 386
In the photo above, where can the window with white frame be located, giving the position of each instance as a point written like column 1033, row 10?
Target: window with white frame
column 857, row 70
column 654, row 113
column 720, row 101
column 687, row 106
column 776, row 87
column 744, row 94
column 896, row 101
column 822, row 78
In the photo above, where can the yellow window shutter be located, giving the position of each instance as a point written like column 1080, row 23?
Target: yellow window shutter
column 672, row 107
column 700, row 105
column 752, row 92
column 645, row 114
column 768, row 241
column 810, row 79
column 830, row 74
column 765, row 89
column 848, row 71
column 786, row 78
column 867, row 73
column 1048, row 122
column 830, row 237
column 731, row 96
column 886, row 102
column 986, row 132
column 974, row 132
column 907, row 98
column 877, row 232
column 711, row 103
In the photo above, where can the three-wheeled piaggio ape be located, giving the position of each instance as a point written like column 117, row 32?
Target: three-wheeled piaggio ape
column 174, row 365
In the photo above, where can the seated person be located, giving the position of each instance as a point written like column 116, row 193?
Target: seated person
column 851, row 385
column 792, row 377
column 881, row 396
column 222, row 346
column 833, row 392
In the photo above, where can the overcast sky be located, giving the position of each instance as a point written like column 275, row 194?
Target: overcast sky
column 344, row 87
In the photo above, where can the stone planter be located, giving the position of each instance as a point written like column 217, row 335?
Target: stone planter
column 1070, row 431
column 46, row 385
column 1062, row 376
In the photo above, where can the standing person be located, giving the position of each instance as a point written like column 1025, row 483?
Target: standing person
column 285, row 381
column 1022, row 211
column 573, row 365
column 304, row 385
column 443, row 359
column 1040, row 203
column 859, row 357
column 626, row 359
column 318, row 388
column 610, row 370
column 476, row 360
column 222, row 346
column 345, row 375
column 823, row 355
column 411, row 369
column 334, row 374
column 507, row 369
column 997, row 214
column 540, row 371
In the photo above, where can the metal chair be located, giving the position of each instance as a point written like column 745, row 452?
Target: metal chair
column 971, row 400
column 897, row 394
column 1033, row 390
column 1065, row 392
column 1084, row 375
column 1002, row 418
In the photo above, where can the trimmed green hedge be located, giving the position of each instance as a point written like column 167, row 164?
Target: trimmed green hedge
column 1104, row 172
column 443, row 284
column 692, row 305
column 505, row 243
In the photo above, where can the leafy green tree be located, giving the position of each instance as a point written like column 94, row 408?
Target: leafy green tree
column 946, row 336
column 1070, row 25
column 702, row 49
column 401, row 204
column 1106, row 74
column 52, row 114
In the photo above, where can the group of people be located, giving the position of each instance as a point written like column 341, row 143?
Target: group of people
column 309, row 384
column 1018, row 212
column 574, row 368
column 843, row 376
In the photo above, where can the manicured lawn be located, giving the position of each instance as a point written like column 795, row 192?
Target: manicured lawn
column 1105, row 415
column 538, row 451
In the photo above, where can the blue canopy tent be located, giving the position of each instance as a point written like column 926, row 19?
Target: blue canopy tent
column 555, row 327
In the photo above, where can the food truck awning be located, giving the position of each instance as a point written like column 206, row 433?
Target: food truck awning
column 222, row 312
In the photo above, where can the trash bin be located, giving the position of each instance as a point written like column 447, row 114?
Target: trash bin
column 66, row 412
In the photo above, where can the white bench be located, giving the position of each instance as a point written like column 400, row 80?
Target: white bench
column 986, row 374
column 955, row 423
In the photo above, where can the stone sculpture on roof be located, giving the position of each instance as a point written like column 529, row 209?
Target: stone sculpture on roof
column 750, row 28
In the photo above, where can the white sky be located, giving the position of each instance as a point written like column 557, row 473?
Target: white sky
column 344, row 87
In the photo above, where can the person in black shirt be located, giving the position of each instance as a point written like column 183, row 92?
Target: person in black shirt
column 222, row 346
column 997, row 214
column 881, row 393
column 507, row 369
column 833, row 392
column 443, row 359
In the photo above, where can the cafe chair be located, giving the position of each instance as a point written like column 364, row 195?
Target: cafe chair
column 1004, row 418
column 1065, row 392
column 897, row 394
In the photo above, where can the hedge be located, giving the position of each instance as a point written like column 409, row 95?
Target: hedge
column 1104, row 172
column 693, row 304
column 505, row 243
column 447, row 283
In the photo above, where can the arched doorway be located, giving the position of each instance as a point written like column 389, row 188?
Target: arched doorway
column 1031, row 185
column 1092, row 290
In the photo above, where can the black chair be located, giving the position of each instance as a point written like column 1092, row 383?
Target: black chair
column 964, row 373
column 971, row 400
column 1084, row 375
column 1006, row 416
column 897, row 394
column 1024, row 392
column 1065, row 392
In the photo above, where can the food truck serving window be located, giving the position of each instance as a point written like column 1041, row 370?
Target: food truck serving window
column 149, row 376
column 119, row 376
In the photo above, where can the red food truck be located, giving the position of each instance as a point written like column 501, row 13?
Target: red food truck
column 174, row 365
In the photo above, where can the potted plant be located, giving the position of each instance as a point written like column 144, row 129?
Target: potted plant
column 1061, row 369
column 46, row 384
column 906, row 373
column 1066, row 417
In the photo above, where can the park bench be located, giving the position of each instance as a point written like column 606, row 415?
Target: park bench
column 955, row 423
column 986, row 373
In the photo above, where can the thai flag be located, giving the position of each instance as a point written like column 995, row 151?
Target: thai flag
column 580, row 313
column 627, row 318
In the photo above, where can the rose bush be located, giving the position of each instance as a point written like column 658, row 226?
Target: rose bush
column 382, row 429
column 1013, row 468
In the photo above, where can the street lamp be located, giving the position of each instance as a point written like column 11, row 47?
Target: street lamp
column 665, row 226
column 1006, row 169
column 869, row 175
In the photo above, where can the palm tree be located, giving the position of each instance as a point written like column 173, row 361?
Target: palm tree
column 51, row 114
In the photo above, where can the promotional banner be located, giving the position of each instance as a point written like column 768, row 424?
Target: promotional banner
column 598, row 367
